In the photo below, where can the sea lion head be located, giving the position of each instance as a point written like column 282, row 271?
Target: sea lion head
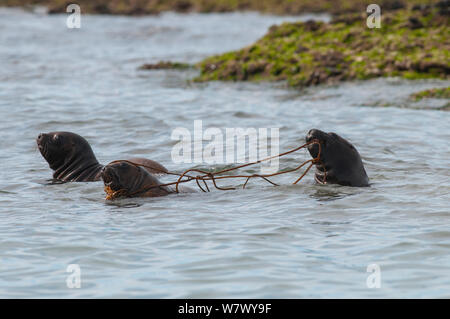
column 126, row 179
column 339, row 162
column 66, row 153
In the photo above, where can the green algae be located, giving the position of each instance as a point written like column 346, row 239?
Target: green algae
column 410, row 43
column 165, row 65
column 440, row 93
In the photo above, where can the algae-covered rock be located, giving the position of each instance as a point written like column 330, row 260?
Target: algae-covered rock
column 438, row 93
column 164, row 65
column 411, row 43
column 441, row 93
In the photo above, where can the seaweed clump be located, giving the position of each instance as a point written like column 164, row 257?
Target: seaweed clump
column 411, row 43
column 164, row 65
column 441, row 93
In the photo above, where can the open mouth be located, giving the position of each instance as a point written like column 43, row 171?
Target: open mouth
column 110, row 179
column 112, row 188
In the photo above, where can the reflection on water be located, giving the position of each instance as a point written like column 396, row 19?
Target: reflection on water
column 291, row 241
column 328, row 194
column 122, row 203
column 52, row 182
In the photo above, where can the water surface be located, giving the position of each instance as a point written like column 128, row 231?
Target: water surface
column 289, row 241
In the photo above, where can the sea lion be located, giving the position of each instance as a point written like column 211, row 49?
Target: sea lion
column 71, row 158
column 339, row 163
column 124, row 179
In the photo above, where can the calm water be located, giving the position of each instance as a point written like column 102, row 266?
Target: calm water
column 288, row 241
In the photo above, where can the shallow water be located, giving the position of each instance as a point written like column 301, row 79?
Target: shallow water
column 289, row 241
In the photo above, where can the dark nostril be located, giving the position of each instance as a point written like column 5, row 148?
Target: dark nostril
column 42, row 136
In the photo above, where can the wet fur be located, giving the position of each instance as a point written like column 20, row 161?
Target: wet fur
column 340, row 162
column 71, row 158
column 132, row 180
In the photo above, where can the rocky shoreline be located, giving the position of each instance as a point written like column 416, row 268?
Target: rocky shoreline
column 411, row 43
column 441, row 93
